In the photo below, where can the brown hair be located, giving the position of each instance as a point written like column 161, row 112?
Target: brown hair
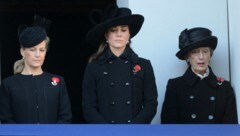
column 100, row 50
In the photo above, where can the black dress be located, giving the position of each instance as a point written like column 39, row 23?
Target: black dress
column 190, row 100
column 34, row 99
column 119, row 89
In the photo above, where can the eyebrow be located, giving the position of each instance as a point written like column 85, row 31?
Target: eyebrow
column 124, row 25
column 120, row 26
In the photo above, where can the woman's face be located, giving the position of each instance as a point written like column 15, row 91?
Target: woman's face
column 118, row 37
column 34, row 56
column 199, row 59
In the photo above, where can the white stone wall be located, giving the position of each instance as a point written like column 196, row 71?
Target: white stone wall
column 234, row 41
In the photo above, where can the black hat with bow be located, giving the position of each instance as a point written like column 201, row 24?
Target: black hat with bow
column 32, row 36
column 195, row 38
column 111, row 17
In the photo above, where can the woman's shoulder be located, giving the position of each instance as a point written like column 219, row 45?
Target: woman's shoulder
column 53, row 78
column 11, row 78
column 51, row 75
column 144, row 60
column 176, row 80
column 222, row 82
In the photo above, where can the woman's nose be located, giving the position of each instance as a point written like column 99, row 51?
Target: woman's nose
column 37, row 54
column 200, row 54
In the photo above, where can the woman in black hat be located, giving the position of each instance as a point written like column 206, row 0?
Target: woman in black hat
column 118, row 87
column 32, row 95
column 198, row 97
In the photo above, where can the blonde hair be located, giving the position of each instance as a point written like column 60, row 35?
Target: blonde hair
column 19, row 64
column 100, row 50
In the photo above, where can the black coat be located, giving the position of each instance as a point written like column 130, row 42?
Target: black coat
column 34, row 99
column 190, row 100
column 113, row 93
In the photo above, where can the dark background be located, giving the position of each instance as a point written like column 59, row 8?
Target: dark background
column 68, row 53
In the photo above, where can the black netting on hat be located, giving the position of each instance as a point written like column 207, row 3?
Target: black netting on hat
column 32, row 36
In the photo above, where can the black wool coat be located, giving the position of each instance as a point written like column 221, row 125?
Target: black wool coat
column 113, row 92
column 190, row 100
column 41, row 99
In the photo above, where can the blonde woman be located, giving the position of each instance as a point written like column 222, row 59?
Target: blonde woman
column 32, row 95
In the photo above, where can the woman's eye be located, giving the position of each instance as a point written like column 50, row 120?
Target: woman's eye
column 112, row 30
column 194, row 51
column 205, row 51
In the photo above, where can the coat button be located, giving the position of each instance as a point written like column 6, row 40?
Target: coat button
column 128, row 102
column 191, row 97
column 110, row 62
column 112, row 121
column 212, row 98
column 127, row 84
column 105, row 73
column 210, row 117
column 193, row 116
column 129, row 121
column 112, row 84
column 126, row 61
column 112, row 103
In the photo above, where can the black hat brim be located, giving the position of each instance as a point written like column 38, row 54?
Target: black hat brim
column 96, row 35
column 210, row 41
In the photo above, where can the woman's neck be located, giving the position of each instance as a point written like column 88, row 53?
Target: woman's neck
column 201, row 74
column 28, row 71
column 117, row 51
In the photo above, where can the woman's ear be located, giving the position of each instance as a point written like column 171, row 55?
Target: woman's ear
column 106, row 36
column 22, row 52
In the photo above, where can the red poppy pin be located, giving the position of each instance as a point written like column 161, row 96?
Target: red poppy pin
column 136, row 68
column 220, row 80
column 55, row 81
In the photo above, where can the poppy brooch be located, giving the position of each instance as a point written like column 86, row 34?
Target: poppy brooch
column 220, row 80
column 136, row 68
column 55, row 81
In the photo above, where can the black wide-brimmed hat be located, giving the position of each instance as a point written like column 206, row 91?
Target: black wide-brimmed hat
column 32, row 36
column 195, row 38
column 111, row 17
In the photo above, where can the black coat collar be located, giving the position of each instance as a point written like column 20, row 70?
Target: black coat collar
column 191, row 78
column 128, row 54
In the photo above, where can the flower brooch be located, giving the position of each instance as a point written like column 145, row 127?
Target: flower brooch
column 220, row 80
column 136, row 68
column 55, row 81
